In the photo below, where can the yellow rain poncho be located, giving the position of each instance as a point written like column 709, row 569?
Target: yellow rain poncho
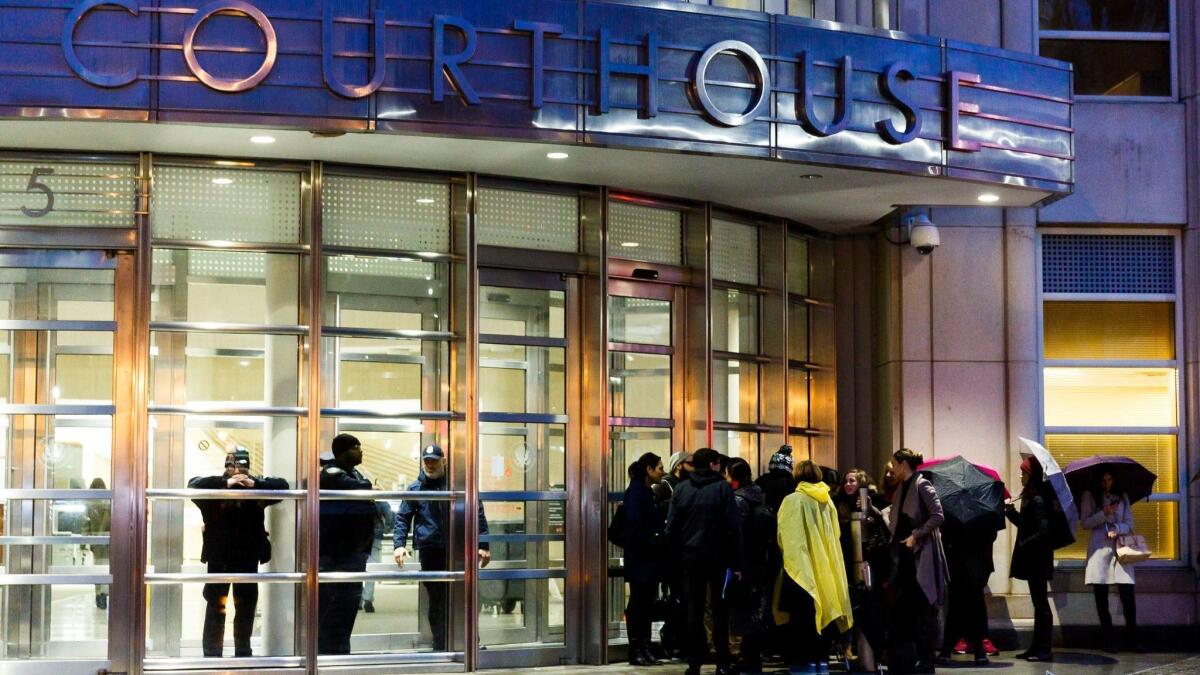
column 809, row 537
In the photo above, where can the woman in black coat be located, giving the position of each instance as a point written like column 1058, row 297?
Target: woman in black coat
column 644, row 523
column 1033, row 556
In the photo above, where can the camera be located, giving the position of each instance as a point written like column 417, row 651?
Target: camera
column 922, row 234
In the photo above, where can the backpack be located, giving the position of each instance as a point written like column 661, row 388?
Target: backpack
column 618, row 527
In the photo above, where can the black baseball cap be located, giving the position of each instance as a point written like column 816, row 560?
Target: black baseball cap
column 432, row 451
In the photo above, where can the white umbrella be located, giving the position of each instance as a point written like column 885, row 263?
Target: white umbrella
column 1057, row 479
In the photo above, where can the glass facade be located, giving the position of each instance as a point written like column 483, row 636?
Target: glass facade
column 259, row 310
column 1111, row 373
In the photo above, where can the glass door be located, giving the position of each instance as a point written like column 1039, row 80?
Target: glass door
column 644, row 401
column 527, row 400
column 61, row 446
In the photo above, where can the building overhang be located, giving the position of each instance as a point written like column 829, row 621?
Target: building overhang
column 690, row 101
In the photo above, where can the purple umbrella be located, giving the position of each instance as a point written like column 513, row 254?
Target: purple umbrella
column 1135, row 480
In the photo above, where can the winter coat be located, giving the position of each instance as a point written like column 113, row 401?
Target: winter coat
column 810, row 539
column 1033, row 556
column 1102, row 564
column 99, row 518
column 969, row 555
column 750, row 610
column 428, row 519
column 347, row 527
column 922, row 506
column 703, row 522
column 644, row 534
column 235, row 529
column 776, row 485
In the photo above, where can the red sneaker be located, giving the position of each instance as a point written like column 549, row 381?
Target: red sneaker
column 961, row 647
column 989, row 648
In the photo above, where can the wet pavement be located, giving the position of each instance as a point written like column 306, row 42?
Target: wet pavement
column 1073, row 662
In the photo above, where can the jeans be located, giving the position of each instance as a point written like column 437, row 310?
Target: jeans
column 1128, row 604
column 966, row 616
column 337, row 603
column 1043, row 619
column 805, row 644
column 438, row 592
column 245, row 600
column 637, row 611
column 369, row 586
column 700, row 578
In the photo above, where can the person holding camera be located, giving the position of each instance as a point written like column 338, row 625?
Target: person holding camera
column 235, row 542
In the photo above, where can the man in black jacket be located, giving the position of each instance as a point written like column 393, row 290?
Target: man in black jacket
column 704, row 533
column 429, row 522
column 346, row 530
column 235, row 541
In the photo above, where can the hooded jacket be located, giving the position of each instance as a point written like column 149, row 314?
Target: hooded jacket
column 776, row 484
column 429, row 519
column 810, row 538
column 703, row 521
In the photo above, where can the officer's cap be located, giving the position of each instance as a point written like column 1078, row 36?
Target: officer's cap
column 432, row 452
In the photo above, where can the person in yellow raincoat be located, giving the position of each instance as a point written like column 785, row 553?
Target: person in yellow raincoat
column 813, row 589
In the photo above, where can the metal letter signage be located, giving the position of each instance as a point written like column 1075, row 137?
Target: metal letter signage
column 446, row 65
column 68, row 44
column 758, row 70
column 648, row 73
column 955, row 106
column 380, row 59
column 843, row 108
column 537, row 53
column 264, row 25
column 889, row 84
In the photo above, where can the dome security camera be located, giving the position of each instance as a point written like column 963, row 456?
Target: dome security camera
column 922, row 234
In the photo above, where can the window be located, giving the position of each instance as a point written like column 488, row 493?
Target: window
column 1110, row 373
column 1117, row 48
column 736, row 304
column 811, row 380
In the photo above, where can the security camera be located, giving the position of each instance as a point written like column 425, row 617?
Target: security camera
column 922, row 234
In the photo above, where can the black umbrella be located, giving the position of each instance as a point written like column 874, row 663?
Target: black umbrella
column 970, row 498
column 1130, row 477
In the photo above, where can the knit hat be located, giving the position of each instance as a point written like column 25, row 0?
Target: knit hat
column 676, row 459
column 782, row 460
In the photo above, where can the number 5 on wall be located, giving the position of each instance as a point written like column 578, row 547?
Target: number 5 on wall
column 35, row 185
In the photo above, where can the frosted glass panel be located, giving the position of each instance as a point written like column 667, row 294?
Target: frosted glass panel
column 43, row 193
column 1111, row 397
column 385, row 214
column 531, row 220
column 645, row 233
column 735, row 252
column 797, row 265
column 215, row 203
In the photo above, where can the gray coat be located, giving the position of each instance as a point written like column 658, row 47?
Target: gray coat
column 922, row 505
column 1102, row 564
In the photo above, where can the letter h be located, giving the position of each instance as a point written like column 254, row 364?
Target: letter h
column 649, row 72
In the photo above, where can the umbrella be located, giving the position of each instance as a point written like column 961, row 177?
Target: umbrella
column 1056, row 479
column 1134, row 479
column 970, row 497
column 989, row 471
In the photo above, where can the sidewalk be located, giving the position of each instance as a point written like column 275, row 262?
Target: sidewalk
column 1066, row 663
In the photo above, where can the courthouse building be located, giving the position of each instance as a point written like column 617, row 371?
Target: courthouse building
column 550, row 236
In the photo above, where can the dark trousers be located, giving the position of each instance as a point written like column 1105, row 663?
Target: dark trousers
column 337, row 603
column 1043, row 619
column 1128, row 604
column 436, row 559
column 805, row 644
column 913, row 623
column 642, row 595
column 704, row 578
column 966, row 614
column 675, row 621
column 245, row 600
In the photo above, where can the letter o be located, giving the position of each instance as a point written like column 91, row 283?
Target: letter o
column 753, row 62
column 264, row 25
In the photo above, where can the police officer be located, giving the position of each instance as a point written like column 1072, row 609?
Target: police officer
column 347, row 528
column 429, row 522
column 235, row 541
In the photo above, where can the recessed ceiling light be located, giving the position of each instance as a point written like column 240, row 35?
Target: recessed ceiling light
column 425, row 200
column 989, row 198
column 630, row 244
column 262, row 140
column 556, row 155
column 222, row 181
column 811, row 176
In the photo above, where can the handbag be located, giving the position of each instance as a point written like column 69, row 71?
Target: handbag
column 1131, row 548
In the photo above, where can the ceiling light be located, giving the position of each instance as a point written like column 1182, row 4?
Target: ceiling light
column 425, row 200
column 556, row 155
column 222, row 181
column 262, row 140
column 811, row 176
column 989, row 198
column 630, row 244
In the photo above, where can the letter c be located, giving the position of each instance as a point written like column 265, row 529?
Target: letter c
column 189, row 45
column 68, row 44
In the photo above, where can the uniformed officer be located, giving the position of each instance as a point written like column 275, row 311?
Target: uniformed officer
column 346, row 530
column 429, row 522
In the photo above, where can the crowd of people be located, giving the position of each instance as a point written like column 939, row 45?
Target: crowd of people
column 804, row 564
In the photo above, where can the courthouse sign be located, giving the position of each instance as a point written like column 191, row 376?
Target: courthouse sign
column 613, row 73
